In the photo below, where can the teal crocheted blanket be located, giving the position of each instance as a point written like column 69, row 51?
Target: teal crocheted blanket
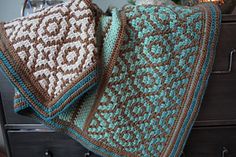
column 154, row 63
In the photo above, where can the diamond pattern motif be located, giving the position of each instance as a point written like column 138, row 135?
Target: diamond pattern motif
column 57, row 44
column 143, row 98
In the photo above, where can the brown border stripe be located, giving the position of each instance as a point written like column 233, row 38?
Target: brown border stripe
column 108, row 71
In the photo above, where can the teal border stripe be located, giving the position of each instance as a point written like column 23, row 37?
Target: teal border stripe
column 193, row 105
column 66, row 107
column 61, row 100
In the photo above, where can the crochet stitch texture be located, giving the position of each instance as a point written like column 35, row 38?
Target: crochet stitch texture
column 50, row 56
column 156, row 85
column 154, row 65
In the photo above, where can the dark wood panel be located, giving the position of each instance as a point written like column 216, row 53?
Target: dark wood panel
column 220, row 99
column 5, row 145
column 228, row 18
column 226, row 43
column 36, row 144
column 211, row 142
column 219, row 103
column 7, row 93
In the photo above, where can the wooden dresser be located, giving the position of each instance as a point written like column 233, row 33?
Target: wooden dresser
column 214, row 132
column 213, row 135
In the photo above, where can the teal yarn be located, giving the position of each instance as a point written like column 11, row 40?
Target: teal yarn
column 155, row 63
column 154, row 71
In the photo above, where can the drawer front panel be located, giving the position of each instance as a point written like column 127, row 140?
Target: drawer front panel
column 219, row 103
column 7, row 94
column 45, row 144
column 211, row 142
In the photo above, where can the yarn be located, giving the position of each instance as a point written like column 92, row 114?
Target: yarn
column 152, row 68
column 50, row 56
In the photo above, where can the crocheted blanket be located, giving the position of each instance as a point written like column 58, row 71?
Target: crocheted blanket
column 154, row 67
column 49, row 56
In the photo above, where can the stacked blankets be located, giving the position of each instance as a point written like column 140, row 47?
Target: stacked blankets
column 126, row 83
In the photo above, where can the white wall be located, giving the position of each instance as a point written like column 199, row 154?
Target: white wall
column 10, row 9
column 105, row 3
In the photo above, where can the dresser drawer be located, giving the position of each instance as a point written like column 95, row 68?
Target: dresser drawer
column 45, row 144
column 219, row 103
column 211, row 142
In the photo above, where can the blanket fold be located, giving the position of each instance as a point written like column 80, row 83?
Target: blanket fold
column 50, row 56
column 154, row 64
